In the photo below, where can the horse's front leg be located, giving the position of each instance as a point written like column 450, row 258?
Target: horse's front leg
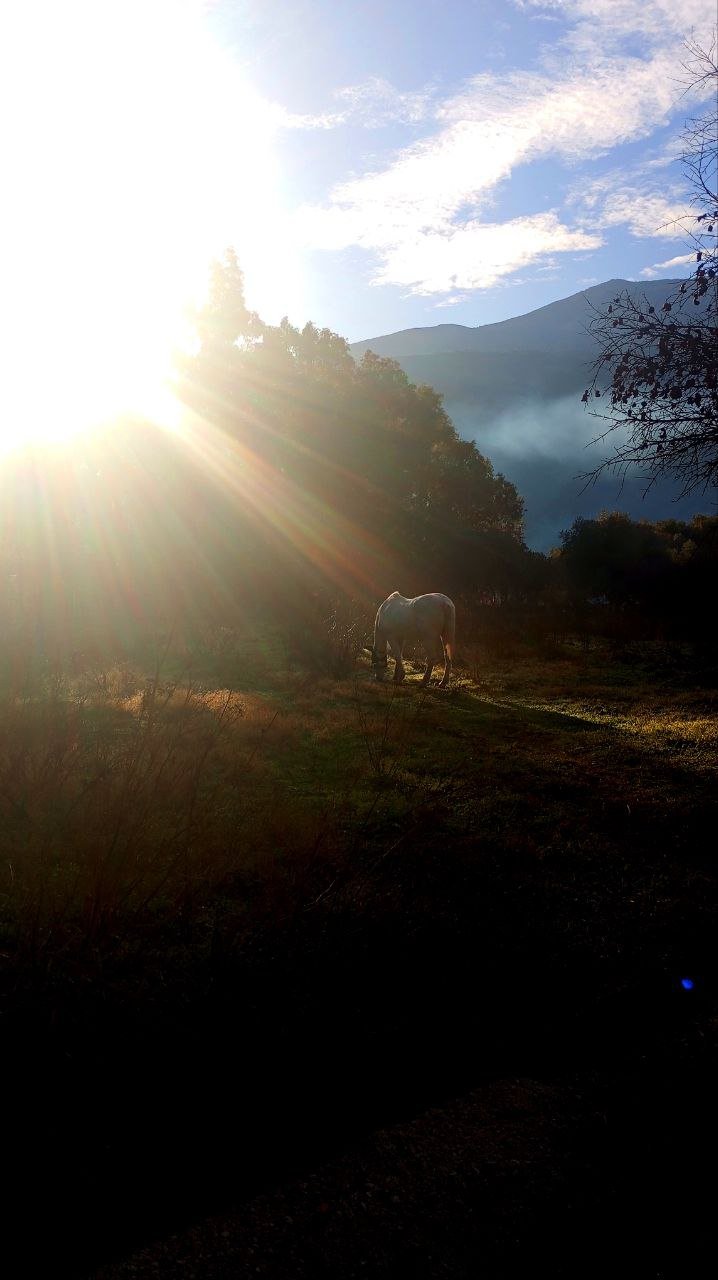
column 428, row 670
column 397, row 651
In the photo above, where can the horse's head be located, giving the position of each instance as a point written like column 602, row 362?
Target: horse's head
column 379, row 663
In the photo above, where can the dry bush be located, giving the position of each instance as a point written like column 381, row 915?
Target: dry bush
column 328, row 638
column 99, row 683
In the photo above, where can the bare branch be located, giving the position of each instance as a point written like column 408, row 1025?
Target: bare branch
column 656, row 373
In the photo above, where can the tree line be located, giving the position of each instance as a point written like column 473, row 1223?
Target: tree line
column 659, row 575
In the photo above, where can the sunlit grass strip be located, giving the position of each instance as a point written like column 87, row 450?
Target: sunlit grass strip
column 699, row 730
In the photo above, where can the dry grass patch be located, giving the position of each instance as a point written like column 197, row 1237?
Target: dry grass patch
column 121, row 807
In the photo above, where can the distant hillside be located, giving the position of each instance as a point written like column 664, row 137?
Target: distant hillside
column 515, row 388
column 560, row 326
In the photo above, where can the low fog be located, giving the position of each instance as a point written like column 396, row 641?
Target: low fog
column 546, row 447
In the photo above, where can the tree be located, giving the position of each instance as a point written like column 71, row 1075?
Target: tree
column 659, row 574
column 617, row 559
column 658, row 369
column 346, row 470
column 225, row 316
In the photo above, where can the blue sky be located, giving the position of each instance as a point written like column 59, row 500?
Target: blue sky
column 377, row 164
column 468, row 161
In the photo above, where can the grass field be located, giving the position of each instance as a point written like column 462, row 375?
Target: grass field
column 249, row 914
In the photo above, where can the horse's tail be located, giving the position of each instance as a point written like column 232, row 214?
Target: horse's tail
column 448, row 630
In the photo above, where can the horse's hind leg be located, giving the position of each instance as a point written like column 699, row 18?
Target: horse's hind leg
column 433, row 656
column 447, row 665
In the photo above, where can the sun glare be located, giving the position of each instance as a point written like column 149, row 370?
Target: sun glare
column 136, row 155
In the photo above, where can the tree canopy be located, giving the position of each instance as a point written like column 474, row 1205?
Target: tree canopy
column 359, row 470
column 661, row 570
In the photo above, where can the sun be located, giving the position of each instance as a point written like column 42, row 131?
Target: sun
column 137, row 155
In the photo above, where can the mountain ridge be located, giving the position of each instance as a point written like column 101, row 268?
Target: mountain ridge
column 563, row 316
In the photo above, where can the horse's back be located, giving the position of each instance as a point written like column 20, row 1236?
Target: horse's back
column 427, row 615
column 432, row 610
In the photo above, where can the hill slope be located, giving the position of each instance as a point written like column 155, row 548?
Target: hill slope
column 559, row 325
column 515, row 388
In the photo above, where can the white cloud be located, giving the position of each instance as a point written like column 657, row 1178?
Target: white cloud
column 424, row 213
column 472, row 255
column 453, row 300
column 372, row 104
column 376, row 102
column 635, row 200
column 660, row 268
column 477, row 255
column 646, row 214
column 496, row 124
column 653, row 20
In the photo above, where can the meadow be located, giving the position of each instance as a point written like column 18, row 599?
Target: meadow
column 252, row 911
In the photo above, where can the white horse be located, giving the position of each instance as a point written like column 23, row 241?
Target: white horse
column 429, row 620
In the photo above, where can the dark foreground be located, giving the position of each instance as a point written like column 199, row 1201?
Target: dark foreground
column 513, row 1177
column 474, row 1033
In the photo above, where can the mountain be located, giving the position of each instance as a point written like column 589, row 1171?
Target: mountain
column 559, row 324
column 515, row 387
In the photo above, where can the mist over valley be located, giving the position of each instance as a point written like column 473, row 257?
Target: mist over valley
column 515, row 389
